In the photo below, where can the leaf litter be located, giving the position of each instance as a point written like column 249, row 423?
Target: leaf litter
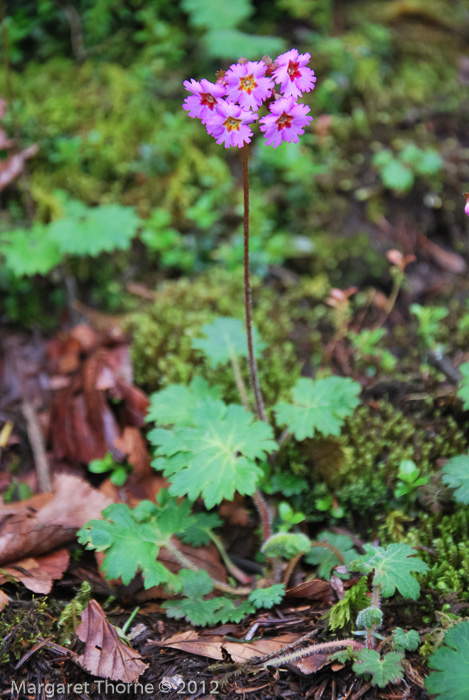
column 80, row 384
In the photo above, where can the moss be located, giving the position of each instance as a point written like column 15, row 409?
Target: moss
column 161, row 337
column 360, row 468
column 24, row 623
column 443, row 542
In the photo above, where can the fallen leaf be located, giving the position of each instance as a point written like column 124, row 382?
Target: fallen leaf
column 106, row 655
column 132, row 444
column 311, row 664
column 4, row 600
column 38, row 574
column 316, row 589
column 44, row 522
column 63, row 353
column 234, row 511
column 85, row 422
column 11, row 167
column 204, row 645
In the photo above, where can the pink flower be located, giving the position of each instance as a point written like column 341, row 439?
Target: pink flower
column 466, row 208
column 247, row 85
column 293, row 75
column 286, row 121
column 206, row 96
column 229, row 124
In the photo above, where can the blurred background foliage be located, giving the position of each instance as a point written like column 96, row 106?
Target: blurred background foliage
column 97, row 85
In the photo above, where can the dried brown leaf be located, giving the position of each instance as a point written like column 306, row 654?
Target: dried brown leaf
column 132, row 444
column 106, row 655
column 316, row 589
column 38, row 574
column 4, row 600
column 11, row 167
column 43, row 523
column 204, row 645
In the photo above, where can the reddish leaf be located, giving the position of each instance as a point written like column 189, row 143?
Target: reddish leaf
column 316, row 589
column 38, row 574
column 12, row 167
column 132, row 444
column 4, row 600
column 106, row 655
column 43, row 523
column 211, row 645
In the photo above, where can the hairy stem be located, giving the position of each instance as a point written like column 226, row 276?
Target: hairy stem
column 315, row 649
column 188, row 564
column 264, row 514
column 376, row 603
column 247, row 293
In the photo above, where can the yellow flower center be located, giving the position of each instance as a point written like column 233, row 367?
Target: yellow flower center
column 248, row 84
column 232, row 124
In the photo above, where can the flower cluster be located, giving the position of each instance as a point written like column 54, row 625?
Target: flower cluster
column 229, row 106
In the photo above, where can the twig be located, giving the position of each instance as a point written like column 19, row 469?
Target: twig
column 36, row 441
column 76, row 31
column 443, row 363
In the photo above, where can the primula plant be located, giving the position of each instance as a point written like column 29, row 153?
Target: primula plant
column 210, row 450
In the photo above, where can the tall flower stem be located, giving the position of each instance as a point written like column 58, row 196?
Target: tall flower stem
column 259, row 500
column 256, row 389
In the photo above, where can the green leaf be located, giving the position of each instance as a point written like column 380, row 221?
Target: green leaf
column 369, row 617
column 405, row 641
column 225, row 338
column 217, row 457
column 229, row 610
column 408, row 471
column 342, row 656
column 318, row 406
column 282, row 482
column 92, row 230
column 397, row 176
column 267, row 597
column 286, row 545
column 119, row 476
column 463, row 391
column 198, row 534
column 131, row 539
column 383, row 670
column 392, row 566
column 30, row 252
column 195, row 584
column 325, row 558
column 196, row 610
column 217, row 14
column 451, row 661
column 430, row 163
column 100, row 466
column 176, row 404
column 231, row 43
column 455, row 474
